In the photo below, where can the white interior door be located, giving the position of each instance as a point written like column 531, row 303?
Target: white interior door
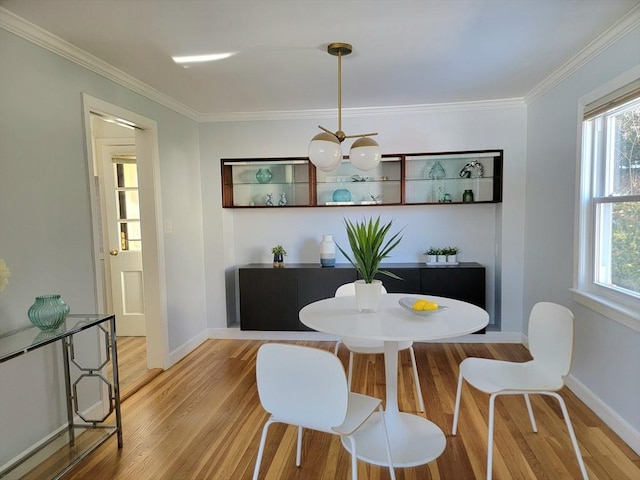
column 124, row 239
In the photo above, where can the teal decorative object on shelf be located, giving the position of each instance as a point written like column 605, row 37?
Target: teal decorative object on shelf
column 48, row 312
column 437, row 171
column 264, row 175
column 342, row 195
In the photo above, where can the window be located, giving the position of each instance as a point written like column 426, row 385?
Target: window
column 608, row 272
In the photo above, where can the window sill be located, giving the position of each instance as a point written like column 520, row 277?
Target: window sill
column 629, row 317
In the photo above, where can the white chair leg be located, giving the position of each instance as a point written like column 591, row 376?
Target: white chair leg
column 335, row 350
column 416, row 379
column 299, row 448
column 392, row 471
column 350, row 370
column 534, row 426
column 354, row 459
column 456, row 410
column 490, row 436
column 263, row 440
column 572, row 434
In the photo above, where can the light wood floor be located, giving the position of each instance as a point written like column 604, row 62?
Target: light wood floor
column 202, row 419
column 132, row 365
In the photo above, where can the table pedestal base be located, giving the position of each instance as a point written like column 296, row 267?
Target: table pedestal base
column 414, row 440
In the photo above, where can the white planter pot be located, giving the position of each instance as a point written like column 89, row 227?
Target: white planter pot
column 432, row 258
column 442, row 258
column 452, row 259
column 368, row 295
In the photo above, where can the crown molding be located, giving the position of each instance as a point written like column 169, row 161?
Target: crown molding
column 33, row 33
column 363, row 111
column 597, row 46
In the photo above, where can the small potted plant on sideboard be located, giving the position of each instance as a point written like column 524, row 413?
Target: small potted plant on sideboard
column 452, row 254
column 432, row 255
column 278, row 256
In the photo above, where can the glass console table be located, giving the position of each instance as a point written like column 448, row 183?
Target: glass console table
column 49, row 459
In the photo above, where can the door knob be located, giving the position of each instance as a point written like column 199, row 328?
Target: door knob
column 113, row 252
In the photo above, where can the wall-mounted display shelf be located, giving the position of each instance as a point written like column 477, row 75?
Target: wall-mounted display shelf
column 277, row 182
column 399, row 179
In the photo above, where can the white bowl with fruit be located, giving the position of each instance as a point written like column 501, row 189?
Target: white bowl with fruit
column 420, row 306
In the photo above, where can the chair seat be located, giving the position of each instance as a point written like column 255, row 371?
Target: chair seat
column 360, row 408
column 492, row 376
column 359, row 345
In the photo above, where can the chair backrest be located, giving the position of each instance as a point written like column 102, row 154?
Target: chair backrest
column 551, row 337
column 349, row 289
column 302, row 385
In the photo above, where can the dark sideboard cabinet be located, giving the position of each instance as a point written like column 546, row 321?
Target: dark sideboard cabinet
column 270, row 298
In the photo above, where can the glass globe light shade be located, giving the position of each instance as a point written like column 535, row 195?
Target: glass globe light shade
column 364, row 154
column 325, row 152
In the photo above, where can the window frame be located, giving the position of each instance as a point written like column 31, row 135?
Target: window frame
column 612, row 303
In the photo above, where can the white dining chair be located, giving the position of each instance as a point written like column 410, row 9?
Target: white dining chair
column 307, row 387
column 551, row 344
column 373, row 347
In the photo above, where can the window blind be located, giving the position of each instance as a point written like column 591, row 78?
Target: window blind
column 613, row 100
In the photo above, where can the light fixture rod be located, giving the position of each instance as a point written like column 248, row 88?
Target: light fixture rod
column 339, row 91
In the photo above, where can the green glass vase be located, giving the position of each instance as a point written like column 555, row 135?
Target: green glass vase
column 48, row 312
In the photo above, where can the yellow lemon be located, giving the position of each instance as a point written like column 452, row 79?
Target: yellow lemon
column 430, row 306
column 419, row 305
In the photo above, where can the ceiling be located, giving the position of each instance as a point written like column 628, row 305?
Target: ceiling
column 405, row 52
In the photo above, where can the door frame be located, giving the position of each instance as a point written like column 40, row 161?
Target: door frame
column 153, row 263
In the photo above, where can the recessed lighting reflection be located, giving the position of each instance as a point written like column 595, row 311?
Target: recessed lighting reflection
column 202, row 58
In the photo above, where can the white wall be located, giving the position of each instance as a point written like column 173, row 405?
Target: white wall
column 246, row 236
column 45, row 222
column 606, row 355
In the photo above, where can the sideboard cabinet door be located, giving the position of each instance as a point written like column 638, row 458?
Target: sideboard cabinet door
column 268, row 299
column 464, row 282
column 409, row 283
column 319, row 283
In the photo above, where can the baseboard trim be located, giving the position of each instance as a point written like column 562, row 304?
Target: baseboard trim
column 615, row 422
column 186, row 348
column 236, row 333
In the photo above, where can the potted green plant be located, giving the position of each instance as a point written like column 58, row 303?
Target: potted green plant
column 452, row 254
column 432, row 254
column 278, row 256
column 369, row 248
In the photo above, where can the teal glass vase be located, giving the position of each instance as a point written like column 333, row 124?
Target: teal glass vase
column 264, row 175
column 48, row 312
column 437, row 171
column 341, row 195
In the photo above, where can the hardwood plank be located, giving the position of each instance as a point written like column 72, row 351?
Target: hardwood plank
column 202, row 419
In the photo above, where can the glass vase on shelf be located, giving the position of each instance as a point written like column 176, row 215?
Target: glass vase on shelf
column 264, row 175
column 436, row 172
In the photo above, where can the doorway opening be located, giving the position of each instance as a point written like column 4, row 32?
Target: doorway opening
column 128, row 259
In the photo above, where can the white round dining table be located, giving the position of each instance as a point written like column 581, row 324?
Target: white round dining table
column 414, row 439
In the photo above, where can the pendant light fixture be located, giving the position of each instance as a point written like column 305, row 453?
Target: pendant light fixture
column 325, row 151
